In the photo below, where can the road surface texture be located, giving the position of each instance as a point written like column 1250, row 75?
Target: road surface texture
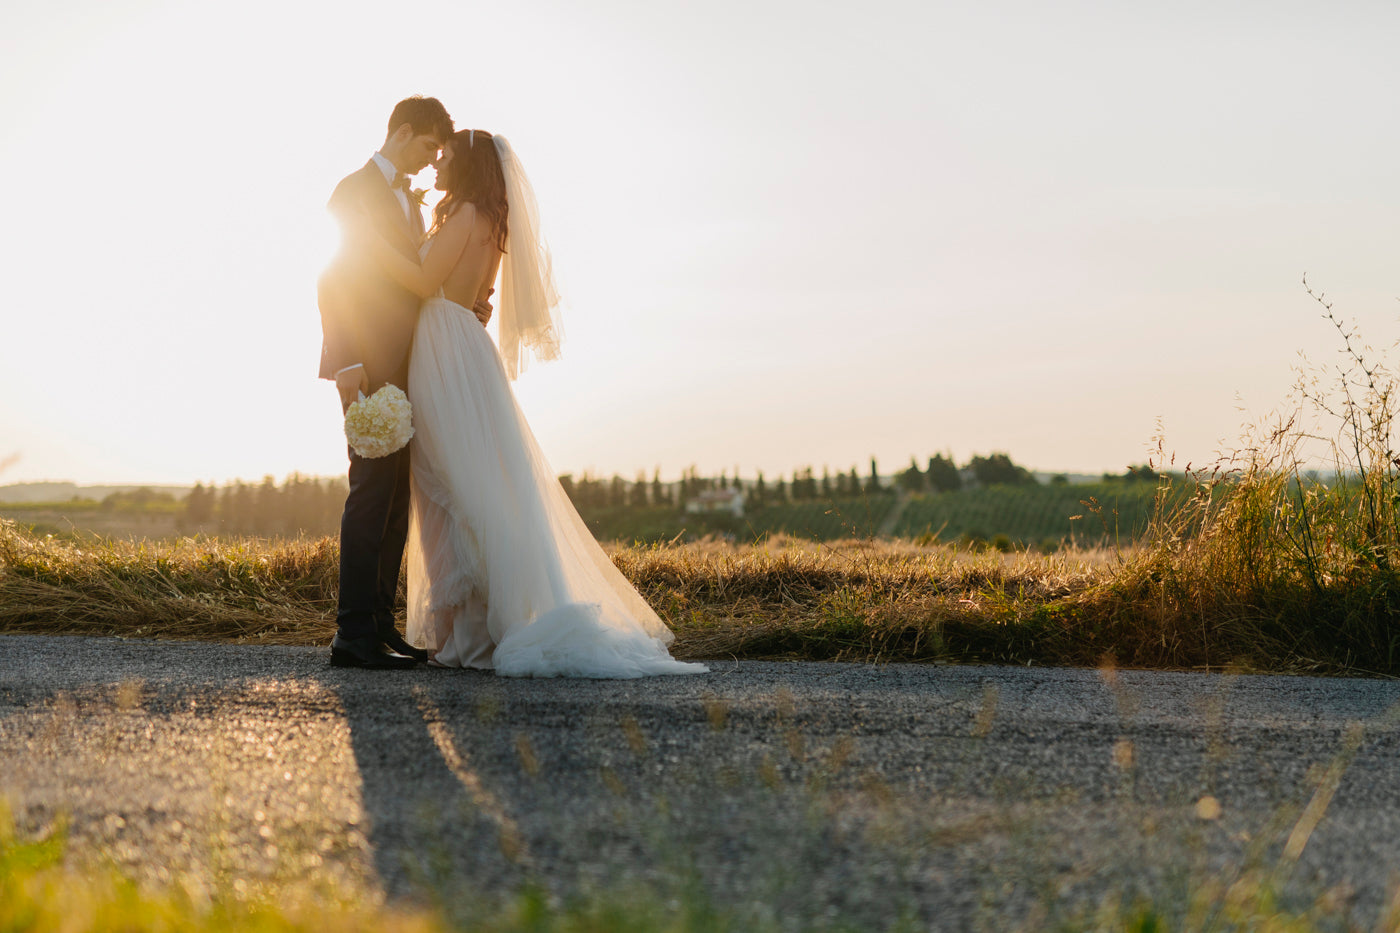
column 798, row 794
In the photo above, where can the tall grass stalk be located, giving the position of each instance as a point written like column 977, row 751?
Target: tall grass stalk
column 1264, row 563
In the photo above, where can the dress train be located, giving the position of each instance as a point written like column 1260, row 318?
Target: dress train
column 502, row 571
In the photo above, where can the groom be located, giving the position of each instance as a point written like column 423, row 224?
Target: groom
column 367, row 323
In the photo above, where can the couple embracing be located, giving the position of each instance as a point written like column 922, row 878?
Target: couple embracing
column 502, row 572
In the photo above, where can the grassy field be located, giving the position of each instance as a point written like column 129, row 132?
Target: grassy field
column 1220, row 582
column 782, row 599
column 816, row 520
column 90, row 519
column 1045, row 517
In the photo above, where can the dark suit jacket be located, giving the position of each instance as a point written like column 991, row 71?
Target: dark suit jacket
column 366, row 317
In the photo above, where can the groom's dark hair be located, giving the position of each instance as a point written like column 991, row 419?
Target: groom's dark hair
column 424, row 114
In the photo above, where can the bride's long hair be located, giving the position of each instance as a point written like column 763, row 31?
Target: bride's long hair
column 474, row 177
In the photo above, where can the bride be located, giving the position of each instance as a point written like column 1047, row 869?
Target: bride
column 502, row 571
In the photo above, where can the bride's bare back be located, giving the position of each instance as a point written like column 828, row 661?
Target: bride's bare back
column 474, row 273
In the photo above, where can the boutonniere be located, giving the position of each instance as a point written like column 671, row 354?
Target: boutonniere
column 419, row 196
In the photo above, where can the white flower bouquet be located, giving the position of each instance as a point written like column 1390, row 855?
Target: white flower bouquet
column 381, row 424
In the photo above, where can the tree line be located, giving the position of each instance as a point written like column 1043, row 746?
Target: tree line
column 308, row 505
column 590, row 492
column 300, row 505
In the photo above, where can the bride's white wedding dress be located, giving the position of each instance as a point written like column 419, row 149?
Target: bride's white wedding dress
column 502, row 571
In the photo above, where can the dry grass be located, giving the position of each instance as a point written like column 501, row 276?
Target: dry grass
column 1214, row 589
column 1179, row 603
column 1258, row 570
column 866, row 600
column 1266, row 566
column 1266, row 570
column 853, row 600
column 783, row 599
column 275, row 592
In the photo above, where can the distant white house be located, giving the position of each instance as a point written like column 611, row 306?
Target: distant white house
column 717, row 500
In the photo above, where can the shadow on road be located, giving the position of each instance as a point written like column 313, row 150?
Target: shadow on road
column 435, row 825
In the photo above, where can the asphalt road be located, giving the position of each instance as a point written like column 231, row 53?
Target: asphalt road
column 805, row 794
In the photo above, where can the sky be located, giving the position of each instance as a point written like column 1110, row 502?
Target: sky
column 787, row 233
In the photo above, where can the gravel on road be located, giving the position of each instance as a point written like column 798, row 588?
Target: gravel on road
column 800, row 794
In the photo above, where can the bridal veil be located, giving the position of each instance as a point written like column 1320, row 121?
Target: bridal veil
column 529, row 317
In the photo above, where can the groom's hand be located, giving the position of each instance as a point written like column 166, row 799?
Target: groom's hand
column 350, row 383
column 482, row 309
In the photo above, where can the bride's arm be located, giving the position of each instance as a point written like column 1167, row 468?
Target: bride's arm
column 423, row 280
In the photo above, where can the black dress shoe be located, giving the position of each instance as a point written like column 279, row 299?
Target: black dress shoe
column 368, row 652
column 394, row 641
